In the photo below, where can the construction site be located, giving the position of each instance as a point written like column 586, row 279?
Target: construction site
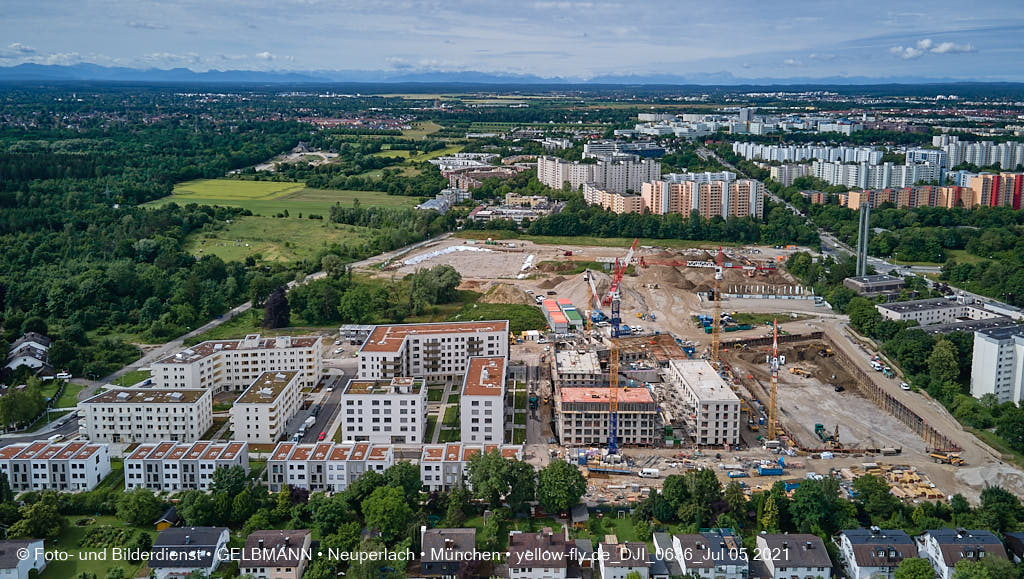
column 811, row 400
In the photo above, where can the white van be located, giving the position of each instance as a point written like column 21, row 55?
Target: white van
column 876, row 366
column 649, row 473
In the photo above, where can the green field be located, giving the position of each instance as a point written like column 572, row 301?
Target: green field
column 70, row 540
column 593, row 241
column 421, row 129
column 269, row 198
column 271, row 238
column 249, row 323
column 132, row 378
column 405, row 154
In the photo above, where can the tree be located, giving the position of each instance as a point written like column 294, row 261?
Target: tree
column 1010, row 427
column 139, row 507
column 874, row 497
column 737, row 500
column 674, row 490
column 276, row 313
column 915, row 568
column 455, row 507
column 770, row 515
column 817, row 508
column 985, row 568
column 560, row 486
column 943, row 367
column 6, row 494
column 231, row 480
column 386, row 510
column 40, row 520
column 494, row 477
column 143, row 544
column 332, row 264
column 406, row 476
column 35, row 324
column 522, row 479
column 196, row 509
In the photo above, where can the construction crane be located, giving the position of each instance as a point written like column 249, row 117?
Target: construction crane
column 620, row 270
column 613, row 394
column 716, row 324
column 596, row 315
column 773, row 394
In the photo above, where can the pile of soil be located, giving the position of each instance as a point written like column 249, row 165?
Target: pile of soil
column 503, row 293
column 551, row 283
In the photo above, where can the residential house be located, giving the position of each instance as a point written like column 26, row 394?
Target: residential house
column 874, row 552
column 179, row 551
column 276, row 554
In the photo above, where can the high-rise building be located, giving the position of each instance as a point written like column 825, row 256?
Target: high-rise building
column 998, row 363
column 710, row 194
column 990, row 190
column 617, row 174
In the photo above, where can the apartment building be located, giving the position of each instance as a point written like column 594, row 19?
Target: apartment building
column 710, row 194
column 617, row 174
column 875, row 285
column 385, row 411
column 147, row 415
column 261, row 413
column 944, row 548
column 934, row 311
column 801, row 556
column 169, row 466
column 444, row 466
column 713, row 406
column 582, row 415
column 438, row 351
column 797, row 153
column 577, row 369
column 325, row 466
column 63, row 466
column 482, row 403
column 909, row 197
column 786, row 174
column 618, row 560
column 1008, row 155
column 867, row 176
column 874, row 552
column 611, row 200
column 997, row 366
column 222, row 365
column 991, row 190
column 606, row 148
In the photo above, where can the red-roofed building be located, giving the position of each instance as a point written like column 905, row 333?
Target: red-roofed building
column 438, row 351
column 582, row 415
column 482, row 404
column 443, row 466
column 325, row 466
column 61, row 466
column 170, row 466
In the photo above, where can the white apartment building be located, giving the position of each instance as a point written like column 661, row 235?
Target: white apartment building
column 444, row 466
column 384, row 411
column 997, row 366
column 482, row 403
column 439, row 351
column 325, row 466
column 261, row 413
column 62, row 466
column 146, row 415
column 786, row 174
column 619, row 174
column 169, row 466
column 1007, row 155
column 582, row 416
column 222, row 365
column 801, row 556
column 944, row 548
column 797, row 153
column 715, row 408
column 934, row 311
column 874, row 552
column 883, row 176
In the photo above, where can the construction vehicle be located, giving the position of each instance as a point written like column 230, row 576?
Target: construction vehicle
column 753, row 425
column 944, row 457
column 567, row 253
column 826, row 353
column 888, row 373
column 534, row 401
column 799, row 372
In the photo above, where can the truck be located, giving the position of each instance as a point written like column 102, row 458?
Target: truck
column 769, row 469
column 888, row 373
column 309, row 422
column 944, row 457
column 799, row 372
column 649, row 473
column 534, row 402
column 737, row 474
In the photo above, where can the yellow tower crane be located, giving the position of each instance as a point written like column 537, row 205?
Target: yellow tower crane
column 716, row 323
column 773, row 394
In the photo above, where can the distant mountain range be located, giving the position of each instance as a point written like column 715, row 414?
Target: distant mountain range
column 95, row 72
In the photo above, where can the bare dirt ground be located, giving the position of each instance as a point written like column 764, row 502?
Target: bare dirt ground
column 669, row 292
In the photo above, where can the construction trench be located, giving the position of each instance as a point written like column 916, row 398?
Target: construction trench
column 832, row 391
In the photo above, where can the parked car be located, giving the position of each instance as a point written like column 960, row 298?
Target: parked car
column 322, row 436
column 339, row 350
column 904, row 386
column 63, row 375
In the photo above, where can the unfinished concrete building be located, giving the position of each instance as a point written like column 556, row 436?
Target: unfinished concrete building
column 711, row 408
column 582, row 415
column 578, row 369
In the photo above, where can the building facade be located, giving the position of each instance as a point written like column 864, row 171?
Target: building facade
column 582, row 416
column 934, row 311
column 384, row 411
column 324, row 466
column 709, row 194
column 715, row 408
column 62, row 466
column 800, row 556
column 874, row 552
column 997, row 366
column 444, row 466
column 261, row 413
column 944, row 548
column 439, row 351
column 482, row 403
column 147, row 415
column 276, row 554
column 223, row 365
column 170, row 466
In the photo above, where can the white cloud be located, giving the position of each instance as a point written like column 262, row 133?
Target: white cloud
column 146, row 25
column 21, row 48
column 952, row 48
column 791, row 62
column 265, row 56
column 816, row 56
column 926, row 45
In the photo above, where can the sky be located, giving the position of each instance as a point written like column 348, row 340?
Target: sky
column 942, row 39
